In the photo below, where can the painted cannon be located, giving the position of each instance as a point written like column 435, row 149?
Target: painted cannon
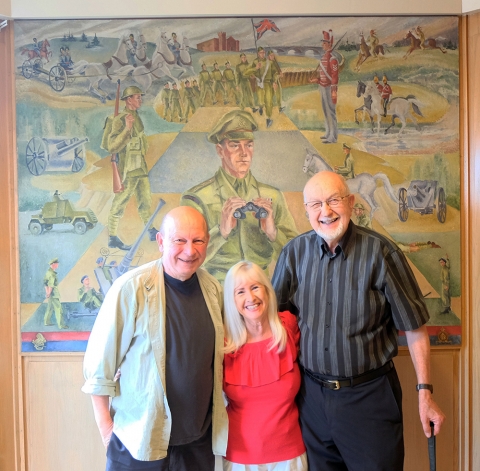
column 106, row 275
column 423, row 197
column 55, row 155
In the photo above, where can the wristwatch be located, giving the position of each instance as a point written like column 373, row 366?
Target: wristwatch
column 424, row 386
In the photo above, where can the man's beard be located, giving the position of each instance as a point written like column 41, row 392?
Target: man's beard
column 332, row 235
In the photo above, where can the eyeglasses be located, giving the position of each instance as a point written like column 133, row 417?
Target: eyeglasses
column 332, row 203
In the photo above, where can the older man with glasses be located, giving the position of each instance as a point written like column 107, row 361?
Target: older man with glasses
column 352, row 290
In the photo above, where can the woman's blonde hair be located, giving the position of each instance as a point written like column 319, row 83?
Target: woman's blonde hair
column 235, row 330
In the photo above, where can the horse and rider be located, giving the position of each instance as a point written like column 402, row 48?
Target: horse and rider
column 40, row 49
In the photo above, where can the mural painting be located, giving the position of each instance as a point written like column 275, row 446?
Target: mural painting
column 118, row 121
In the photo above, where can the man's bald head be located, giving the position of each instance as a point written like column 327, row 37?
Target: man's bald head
column 182, row 213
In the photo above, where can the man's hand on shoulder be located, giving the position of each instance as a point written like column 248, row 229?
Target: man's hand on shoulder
column 129, row 120
column 429, row 412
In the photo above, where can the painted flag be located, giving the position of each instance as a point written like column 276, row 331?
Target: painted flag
column 265, row 25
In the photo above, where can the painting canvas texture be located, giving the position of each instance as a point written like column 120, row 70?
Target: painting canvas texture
column 119, row 121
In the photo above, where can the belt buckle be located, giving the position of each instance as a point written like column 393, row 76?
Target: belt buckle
column 336, row 383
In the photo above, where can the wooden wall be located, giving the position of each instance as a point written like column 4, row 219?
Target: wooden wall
column 46, row 422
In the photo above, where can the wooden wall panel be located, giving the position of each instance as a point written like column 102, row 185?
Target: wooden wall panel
column 59, row 424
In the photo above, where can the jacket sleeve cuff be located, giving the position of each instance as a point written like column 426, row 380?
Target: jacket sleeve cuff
column 100, row 387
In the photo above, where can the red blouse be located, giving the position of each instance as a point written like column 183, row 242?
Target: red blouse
column 261, row 386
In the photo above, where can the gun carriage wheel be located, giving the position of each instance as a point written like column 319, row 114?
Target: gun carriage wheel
column 36, row 156
column 402, row 205
column 57, row 78
column 27, row 69
column 441, row 206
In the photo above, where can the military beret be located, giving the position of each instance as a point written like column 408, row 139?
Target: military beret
column 83, row 278
column 132, row 90
column 243, row 54
column 260, row 49
column 235, row 125
column 99, row 260
column 346, row 146
column 270, row 52
column 359, row 206
column 53, row 260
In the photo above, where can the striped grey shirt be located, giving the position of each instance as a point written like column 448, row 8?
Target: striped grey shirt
column 349, row 304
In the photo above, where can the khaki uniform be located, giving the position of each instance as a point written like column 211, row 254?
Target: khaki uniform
column 131, row 147
column 347, row 170
column 230, row 84
column 54, row 305
column 175, row 104
column 246, row 241
column 189, row 101
column 90, row 298
column 243, row 81
column 445, row 293
column 266, row 76
column 166, row 102
column 205, row 83
column 364, row 221
column 278, row 92
column 218, row 85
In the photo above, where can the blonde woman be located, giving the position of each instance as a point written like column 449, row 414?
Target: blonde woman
column 261, row 376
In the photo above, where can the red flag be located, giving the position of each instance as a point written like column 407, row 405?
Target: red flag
column 264, row 26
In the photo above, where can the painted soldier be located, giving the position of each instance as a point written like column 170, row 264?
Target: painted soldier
column 361, row 217
column 327, row 79
column 126, row 137
column 196, row 90
column 174, row 46
column 243, row 84
column 377, row 83
column 88, row 296
column 190, row 99
column 257, row 69
column 445, row 277
column 52, row 294
column 347, row 171
column 205, row 85
column 251, row 237
column 373, row 41
column 218, row 84
column 165, row 96
column 133, row 51
column 277, row 84
column 386, row 93
column 230, row 83
column 175, row 102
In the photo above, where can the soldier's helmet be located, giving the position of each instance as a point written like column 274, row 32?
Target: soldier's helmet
column 270, row 52
column 83, row 278
column 132, row 90
column 243, row 55
column 375, row 78
column 384, row 79
column 359, row 206
column 236, row 125
column 346, row 146
column 53, row 260
column 260, row 49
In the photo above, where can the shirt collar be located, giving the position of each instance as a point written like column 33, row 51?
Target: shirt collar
column 343, row 245
column 232, row 180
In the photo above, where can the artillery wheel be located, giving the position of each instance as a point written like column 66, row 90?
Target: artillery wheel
column 441, row 206
column 402, row 205
column 80, row 227
column 37, row 64
column 57, row 78
column 35, row 228
column 78, row 161
column 36, row 156
column 27, row 69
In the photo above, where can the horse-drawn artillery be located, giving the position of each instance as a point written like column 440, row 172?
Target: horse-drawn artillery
column 58, row 75
column 423, row 197
column 55, row 155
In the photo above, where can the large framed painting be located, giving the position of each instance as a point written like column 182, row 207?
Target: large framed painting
column 119, row 121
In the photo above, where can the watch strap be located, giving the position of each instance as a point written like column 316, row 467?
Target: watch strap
column 424, row 386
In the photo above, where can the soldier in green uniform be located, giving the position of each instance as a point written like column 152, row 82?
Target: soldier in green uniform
column 266, row 77
column 189, row 98
column 218, row 84
column 124, row 135
column 232, row 186
column 89, row 296
column 175, row 102
column 347, row 171
column 277, row 84
column 362, row 219
column 243, row 84
column 106, row 270
column 445, row 277
column 230, row 83
column 166, row 101
column 196, row 90
column 205, row 85
column 52, row 293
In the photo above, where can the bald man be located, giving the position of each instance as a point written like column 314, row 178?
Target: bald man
column 161, row 325
column 352, row 290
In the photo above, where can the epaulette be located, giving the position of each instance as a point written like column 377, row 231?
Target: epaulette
column 202, row 185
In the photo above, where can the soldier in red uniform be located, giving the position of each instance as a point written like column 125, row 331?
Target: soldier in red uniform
column 377, row 83
column 327, row 79
column 386, row 92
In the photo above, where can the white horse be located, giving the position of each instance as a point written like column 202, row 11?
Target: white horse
column 168, row 56
column 398, row 107
column 95, row 73
column 185, row 58
column 363, row 184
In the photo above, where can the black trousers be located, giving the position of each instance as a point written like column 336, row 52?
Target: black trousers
column 353, row 429
column 195, row 456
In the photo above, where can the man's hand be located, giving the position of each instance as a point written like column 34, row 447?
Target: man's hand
column 429, row 412
column 267, row 224
column 101, row 411
column 228, row 222
column 129, row 120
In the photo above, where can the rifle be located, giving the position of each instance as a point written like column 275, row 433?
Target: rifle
column 117, row 181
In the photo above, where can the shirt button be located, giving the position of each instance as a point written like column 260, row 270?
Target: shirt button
column 329, row 280
column 327, row 326
column 329, row 303
column 326, row 349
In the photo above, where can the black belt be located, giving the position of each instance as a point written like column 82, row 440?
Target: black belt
column 335, row 384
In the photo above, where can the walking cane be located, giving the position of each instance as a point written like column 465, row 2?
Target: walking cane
column 432, row 450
